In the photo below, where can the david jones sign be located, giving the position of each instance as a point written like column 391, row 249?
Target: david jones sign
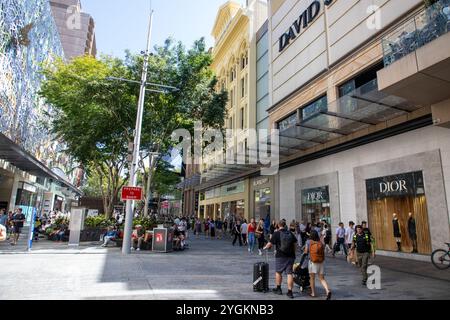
column 303, row 21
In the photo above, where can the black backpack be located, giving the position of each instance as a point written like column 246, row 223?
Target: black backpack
column 287, row 240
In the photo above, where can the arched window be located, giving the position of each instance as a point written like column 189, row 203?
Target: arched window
column 244, row 60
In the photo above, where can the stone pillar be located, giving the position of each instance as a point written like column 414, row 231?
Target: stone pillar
column 15, row 187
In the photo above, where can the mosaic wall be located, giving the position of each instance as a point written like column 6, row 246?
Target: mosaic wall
column 28, row 38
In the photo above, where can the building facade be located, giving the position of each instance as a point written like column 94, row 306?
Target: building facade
column 360, row 94
column 235, row 63
column 33, row 167
column 76, row 28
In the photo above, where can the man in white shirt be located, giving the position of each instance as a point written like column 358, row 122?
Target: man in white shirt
column 349, row 234
column 244, row 232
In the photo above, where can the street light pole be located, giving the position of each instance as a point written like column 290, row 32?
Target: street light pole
column 129, row 216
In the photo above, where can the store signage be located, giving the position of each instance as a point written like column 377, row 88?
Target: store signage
column 407, row 184
column 316, row 196
column 131, row 193
column 260, row 182
column 303, row 22
column 29, row 187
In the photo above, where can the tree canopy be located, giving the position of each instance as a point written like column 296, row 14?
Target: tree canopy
column 95, row 115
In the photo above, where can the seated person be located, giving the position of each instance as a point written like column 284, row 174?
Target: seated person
column 178, row 237
column 110, row 235
column 137, row 238
column 58, row 234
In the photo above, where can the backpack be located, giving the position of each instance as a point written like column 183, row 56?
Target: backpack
column 287, row 240
column 316, row 252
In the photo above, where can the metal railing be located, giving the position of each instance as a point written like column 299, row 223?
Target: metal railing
column 426, row 26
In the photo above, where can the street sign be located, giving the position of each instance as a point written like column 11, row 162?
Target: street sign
column 165, row 205
column 131, row 193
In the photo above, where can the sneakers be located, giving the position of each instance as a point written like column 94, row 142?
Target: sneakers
column 138, row 249
column 260, row 252
column 277, row 291
column 290, row 294
column 132, row 249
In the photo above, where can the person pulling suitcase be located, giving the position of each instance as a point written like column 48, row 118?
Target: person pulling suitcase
column 285, row 244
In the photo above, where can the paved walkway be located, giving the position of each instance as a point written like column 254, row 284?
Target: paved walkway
column 209, row 270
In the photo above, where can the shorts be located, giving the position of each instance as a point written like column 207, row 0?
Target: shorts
column 17, row 230
column 316, row 268
column 284, row 265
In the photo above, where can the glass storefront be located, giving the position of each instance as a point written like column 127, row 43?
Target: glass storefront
column 402, row 195
column 316, row 205
column 26, row 199
column 263, row 199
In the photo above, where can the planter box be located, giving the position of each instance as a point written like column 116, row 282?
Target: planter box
column 89, row 235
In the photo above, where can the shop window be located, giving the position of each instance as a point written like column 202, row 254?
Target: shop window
column 288, row 122
column 316, row 205
column 314, row 108
column 364, row 83
column 263, row 200
column 403, row 195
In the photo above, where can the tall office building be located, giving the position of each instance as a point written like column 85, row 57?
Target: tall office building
column 76, row 28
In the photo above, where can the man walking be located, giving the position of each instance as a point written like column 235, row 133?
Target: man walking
column 340, row 239
column 362, row 244
column 349, row 233
column 285, row 244
column 244, row 227
column 18, row 221
column 237, row 233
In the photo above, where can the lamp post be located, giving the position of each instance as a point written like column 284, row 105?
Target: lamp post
column 129, row 216
column 135, row 147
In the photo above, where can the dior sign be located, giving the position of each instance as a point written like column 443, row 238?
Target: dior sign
column 316, row 196
column 406, row 184
column 302, row 23
column 394, row 186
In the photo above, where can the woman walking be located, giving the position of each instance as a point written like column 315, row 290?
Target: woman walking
column 259, row 233
column 316, row 251
column 198, row 228
column 273, row 228
column 251, row 229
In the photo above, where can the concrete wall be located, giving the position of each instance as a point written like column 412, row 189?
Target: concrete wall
column 400, row 150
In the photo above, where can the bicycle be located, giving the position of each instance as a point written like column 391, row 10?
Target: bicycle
column 441, row 258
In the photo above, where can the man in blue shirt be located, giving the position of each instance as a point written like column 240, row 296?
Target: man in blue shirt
column 110, row 235
column 340, row 239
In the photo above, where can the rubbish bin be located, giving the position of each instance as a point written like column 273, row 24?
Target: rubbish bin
column 163, row 240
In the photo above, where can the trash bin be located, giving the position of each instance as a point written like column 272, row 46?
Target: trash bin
column 163, row 240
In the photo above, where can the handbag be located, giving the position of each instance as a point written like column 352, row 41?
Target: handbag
column 337, row 247
column 2, row 233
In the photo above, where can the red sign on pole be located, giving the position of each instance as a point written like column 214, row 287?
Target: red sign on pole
column 131, row 193
column 165, row 205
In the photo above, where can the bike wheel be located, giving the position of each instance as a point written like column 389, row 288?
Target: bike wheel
column 441, row 259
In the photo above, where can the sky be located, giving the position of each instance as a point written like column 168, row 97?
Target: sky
column 123, row 24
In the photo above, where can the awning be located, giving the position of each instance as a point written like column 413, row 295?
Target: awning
column 23, row 160
column 363, row 108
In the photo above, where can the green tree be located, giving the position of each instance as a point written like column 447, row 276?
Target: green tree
column 95, row 116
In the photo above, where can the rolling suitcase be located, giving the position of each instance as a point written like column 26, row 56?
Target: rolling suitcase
column 261, row 276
